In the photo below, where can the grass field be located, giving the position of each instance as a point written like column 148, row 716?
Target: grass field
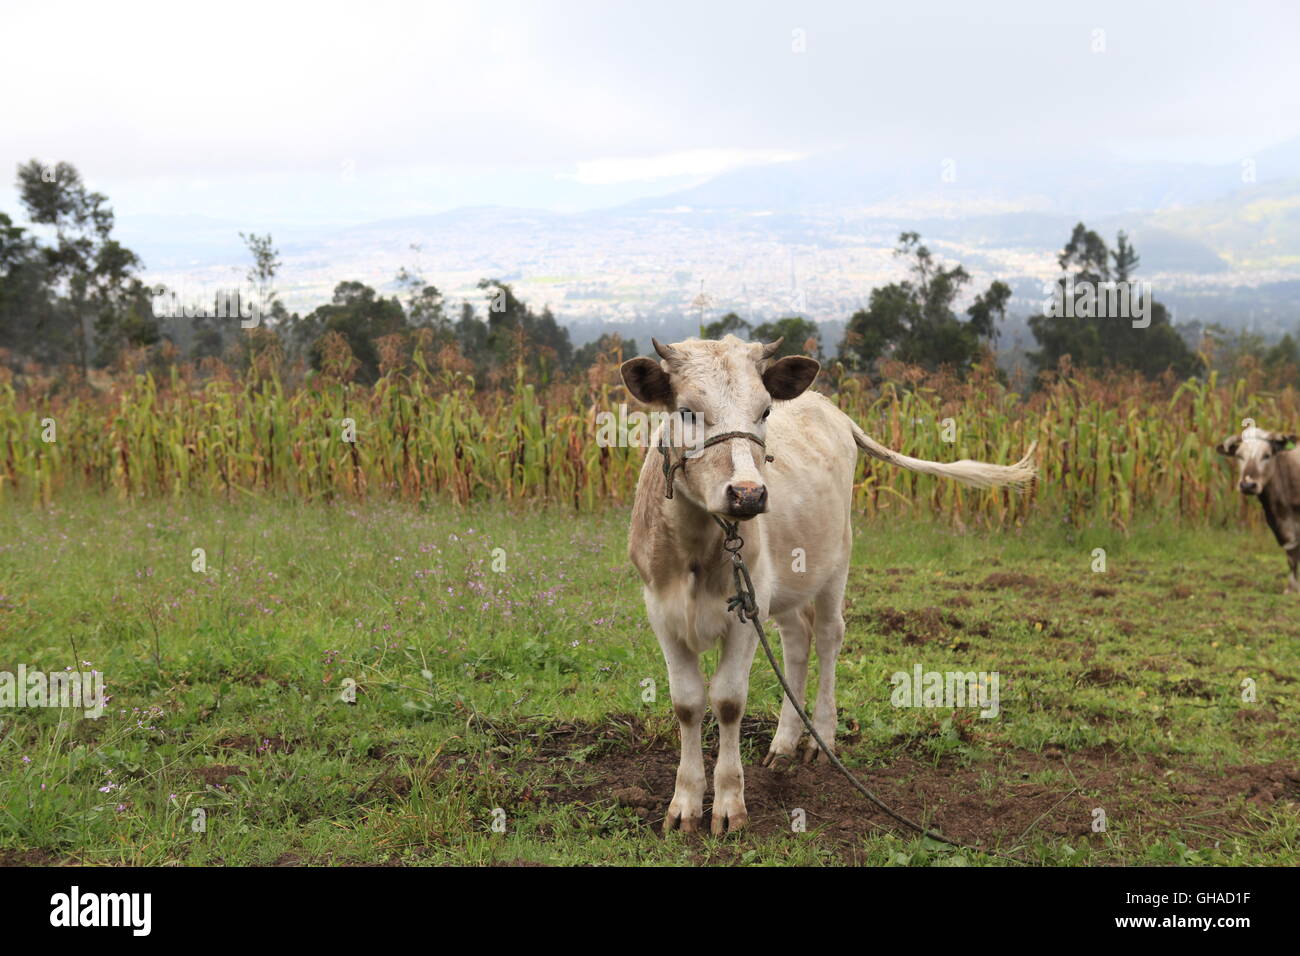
column 512, row 679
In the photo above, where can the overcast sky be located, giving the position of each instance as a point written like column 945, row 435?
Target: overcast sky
column 354, row 111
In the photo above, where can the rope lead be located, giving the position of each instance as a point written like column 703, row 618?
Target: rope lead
column 745, row 604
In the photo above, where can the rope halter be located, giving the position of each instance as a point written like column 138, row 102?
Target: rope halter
column 671, row 468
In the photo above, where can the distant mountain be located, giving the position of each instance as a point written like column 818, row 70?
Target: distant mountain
column 1255, row 228
column 473, row 218
column 811, row 236
column 1077, row 186
column 175, row 242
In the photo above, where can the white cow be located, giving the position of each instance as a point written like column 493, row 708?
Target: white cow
column 727, row 397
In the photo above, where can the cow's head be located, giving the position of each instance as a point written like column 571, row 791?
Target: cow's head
column 1255, row 451
column 710, row 388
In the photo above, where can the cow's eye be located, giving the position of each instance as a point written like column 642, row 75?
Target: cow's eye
column 1267, row 457
column 766, row 412
column 688, row 416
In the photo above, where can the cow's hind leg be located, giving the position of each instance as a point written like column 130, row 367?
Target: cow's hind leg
column 1293, row 581
column 728, row 694
column 796, row 644
column 828, row 629
column 686, row 685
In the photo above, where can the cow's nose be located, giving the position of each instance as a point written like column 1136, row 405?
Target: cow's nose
column 746, row 498
column 1249, row 487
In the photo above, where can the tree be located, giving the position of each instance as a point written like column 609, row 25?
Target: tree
column 472, row 336
column 1086, row 252
column 610, row 344
column 914, row 320
column 104, row 303
column 515, row 332
column 361, row 317
column 128, row 322
column 207, row 340
column 989, row 308
column 1283, row 359
column 797, row 334
column 1094, row 315
column 424, row 303
column 261, row 274
column 25, row 301
column 1125, row 257
column 729, row 324
column 875, row 330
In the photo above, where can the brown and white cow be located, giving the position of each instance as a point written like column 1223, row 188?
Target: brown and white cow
column 797, row 536
column 1267, row 470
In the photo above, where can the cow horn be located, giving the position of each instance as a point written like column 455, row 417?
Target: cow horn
column 771, row 348
column 666, row 352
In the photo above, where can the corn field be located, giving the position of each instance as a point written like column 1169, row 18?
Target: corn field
column 1113, row 451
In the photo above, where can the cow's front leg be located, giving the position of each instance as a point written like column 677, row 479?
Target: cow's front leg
column 686, row 685
column 728, row 693
column 1293, row 582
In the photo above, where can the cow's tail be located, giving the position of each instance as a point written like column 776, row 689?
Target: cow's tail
column 977, row 473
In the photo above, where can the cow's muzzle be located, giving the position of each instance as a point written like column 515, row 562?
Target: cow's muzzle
column 746, row 499
column 1248, row 487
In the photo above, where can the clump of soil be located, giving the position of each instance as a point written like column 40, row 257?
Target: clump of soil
column 27, row 858
column 217, row 774
column 641, row 801
column 1190, row 687
column 920, row 626
column 1103, row 677
column 387, row 788
column 1000, row 580
column 254, row 745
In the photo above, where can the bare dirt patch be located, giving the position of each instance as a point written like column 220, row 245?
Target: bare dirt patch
column 1103, row 677
column 988, row 804
column 27, row 858
column 1190, row 687
column 918, row 626
column 1002, row 579
column 216, row 775
column 255, row 745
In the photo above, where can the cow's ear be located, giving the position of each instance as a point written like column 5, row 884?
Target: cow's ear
column 1228, row 446
column 1279, row 442
column 647, row 382
column 788, row 377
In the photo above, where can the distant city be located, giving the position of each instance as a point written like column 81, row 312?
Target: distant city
column 1219, row 244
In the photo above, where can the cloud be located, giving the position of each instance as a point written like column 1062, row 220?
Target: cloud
column 582, row 103
column 692, row 163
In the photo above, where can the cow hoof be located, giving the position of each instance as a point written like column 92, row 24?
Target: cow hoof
column 780, row 762
column 687, row 824
column 813, row 753
column 729, row 821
